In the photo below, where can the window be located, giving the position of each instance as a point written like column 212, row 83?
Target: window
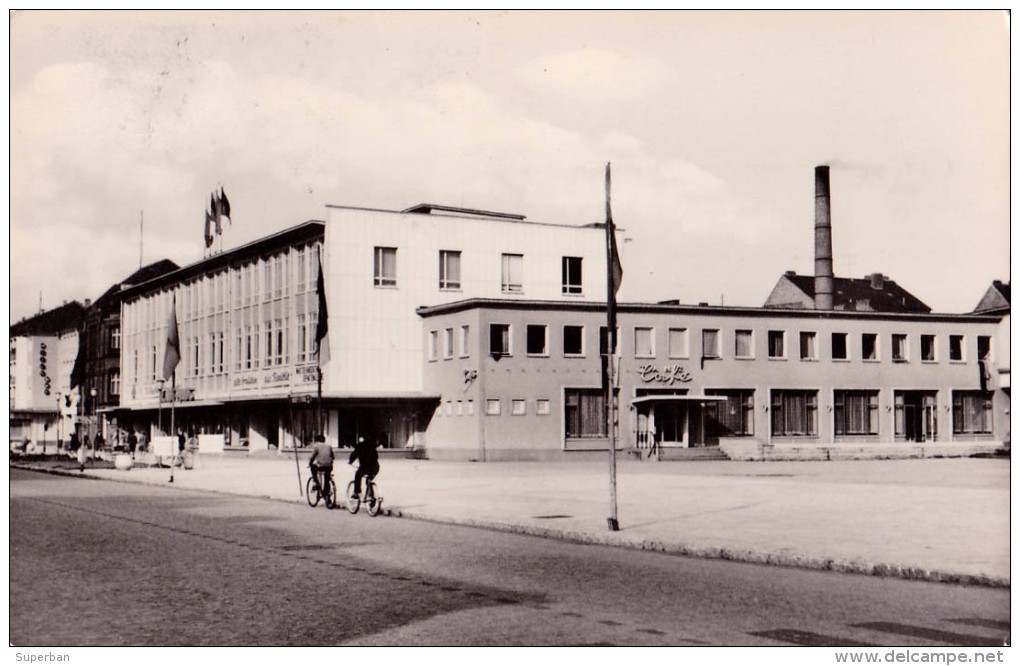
column 733, row 418
column 115, row 338
column 281, row 343
column 855, row 412
column 928, row 348
column 573, row 340
column 302, row 255
column 808, row 346
column 448, row 343
column 195, row 356
column 465, row 342
column 955, row 347
column 433, row 345
column 267, row 272
column 238, row 347
column 212, row 353
column 794, row 413
column 839, row 349
column 449, row 269
column 269, row 343
column 114, row 383
column 470, row 407
column 518, row 407
column 249, row 351
column 678, row 343
column 644, row 342
column 499, row 340
column 899, row 347
column 460, row 408
column 542, row 406
column 385, row 274
column 572, row 275
column 777, row 344
column 302, row 339
column 492, row 407
column 869, row 346
column 710, row 343
column 972, row 412
column 537, row 340
column 585, row 413
column 513, row 273
column 984, row 347
column 744, row 344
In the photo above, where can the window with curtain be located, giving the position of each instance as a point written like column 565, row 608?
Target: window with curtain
column 710, row 343
column 743, row 342
column 585, row 413
column 855, row 412
column 794, row 413
column 972, row 412
column 733, row 418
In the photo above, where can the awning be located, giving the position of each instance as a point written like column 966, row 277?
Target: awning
column 678, row 398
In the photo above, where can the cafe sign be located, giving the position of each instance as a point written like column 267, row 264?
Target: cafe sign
column 669, row 374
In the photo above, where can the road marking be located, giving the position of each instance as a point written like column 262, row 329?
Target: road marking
column 930, row 634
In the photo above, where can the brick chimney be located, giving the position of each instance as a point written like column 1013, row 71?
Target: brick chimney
column 823, row 241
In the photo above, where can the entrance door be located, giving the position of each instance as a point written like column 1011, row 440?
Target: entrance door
column 671, row 423
column 916, row 416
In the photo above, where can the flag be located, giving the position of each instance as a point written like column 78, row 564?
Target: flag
column 322, row 327
column 208, row 229
column 173, row 344
column 214, row 206
column 225, row 206
column 78, row 370
column 614, row 276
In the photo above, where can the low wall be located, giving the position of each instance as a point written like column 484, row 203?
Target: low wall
column 744, row 449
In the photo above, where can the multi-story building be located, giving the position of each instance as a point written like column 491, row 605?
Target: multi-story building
column 247, row 320
column 42, row 351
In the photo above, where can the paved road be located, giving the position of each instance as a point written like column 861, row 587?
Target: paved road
column 101, row 563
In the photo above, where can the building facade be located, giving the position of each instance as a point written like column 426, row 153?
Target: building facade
column 524, row 380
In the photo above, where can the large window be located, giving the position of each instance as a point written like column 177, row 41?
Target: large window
column 572, row 275
column 585, row 413
column 733, row 418
column 573, row 340
column 513, row 273
column 839, row 348
column 794, row 413
column 385, row 267
column 855, row 412
column 499, row 340
column 679, row 346
column 449, row 269
column 777, row 344
column 972, row 412
column 644, row 342
column 537, row 335
column 744, row 344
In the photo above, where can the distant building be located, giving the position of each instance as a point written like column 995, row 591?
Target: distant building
column 995, row 300
column 874, row 293
column 42, row 351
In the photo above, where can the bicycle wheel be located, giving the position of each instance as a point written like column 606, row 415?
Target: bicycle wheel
column 330, row 494
column 311, row 492
column 353, row 503
column 373, row 503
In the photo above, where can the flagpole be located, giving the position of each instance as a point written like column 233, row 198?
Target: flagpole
column 613, row 522
column 173, row 438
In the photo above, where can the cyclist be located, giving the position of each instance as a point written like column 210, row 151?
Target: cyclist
column 368, row 465
column 321, row 463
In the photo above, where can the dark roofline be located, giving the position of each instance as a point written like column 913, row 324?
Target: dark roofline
column 309, row 230
column 716, row 310
column 427, row 208
column 504, row 217
column 52, row 322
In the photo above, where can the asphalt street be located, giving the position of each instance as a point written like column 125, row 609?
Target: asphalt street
column 100, row 563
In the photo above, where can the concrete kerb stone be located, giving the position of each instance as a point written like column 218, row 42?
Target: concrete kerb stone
column 617, row 540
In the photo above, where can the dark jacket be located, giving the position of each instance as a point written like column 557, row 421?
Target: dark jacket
column 366, row 453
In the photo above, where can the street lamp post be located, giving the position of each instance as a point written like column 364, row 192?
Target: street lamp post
column 59, row 419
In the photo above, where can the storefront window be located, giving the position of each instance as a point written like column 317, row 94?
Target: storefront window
column 855, row 412
column 794, row 413
column 585, row 412
column 972, row 412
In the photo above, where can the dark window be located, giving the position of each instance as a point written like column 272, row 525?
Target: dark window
column 537, row 338
column 984, row 344
column 955, row 347
column 733, row 418
column 499, row 339
column 573, row 340
column 839, row 350
column 572, row 275
column 777, row 346
column 927, row 347
column 808, row 346
column 899, row 347
column 869, row 346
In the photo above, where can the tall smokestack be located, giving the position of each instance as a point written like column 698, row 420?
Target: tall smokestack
column 823, row 241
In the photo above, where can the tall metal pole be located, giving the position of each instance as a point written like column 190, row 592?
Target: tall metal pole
column 611, row 259
column 173, row 438
column 293, row 444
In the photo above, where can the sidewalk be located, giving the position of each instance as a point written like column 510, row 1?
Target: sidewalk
column 938, row 520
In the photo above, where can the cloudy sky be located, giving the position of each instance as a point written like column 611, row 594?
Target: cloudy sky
column 713, row 123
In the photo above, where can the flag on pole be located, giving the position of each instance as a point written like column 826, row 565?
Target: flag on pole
column 322, row 326
column 225, row 206
column 78, row 370
column 208, row 230
column 214, row 206
column 173, row 344
column 616, row 275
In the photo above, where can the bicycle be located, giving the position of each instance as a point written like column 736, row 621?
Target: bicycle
column 313, row 489
column 373, row 503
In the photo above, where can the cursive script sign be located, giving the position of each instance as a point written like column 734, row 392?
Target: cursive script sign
column 669, row 374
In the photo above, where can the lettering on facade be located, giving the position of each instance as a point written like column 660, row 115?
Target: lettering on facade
column 669, row 375
column 276, row 378
column 308, row 373
column 246, row 381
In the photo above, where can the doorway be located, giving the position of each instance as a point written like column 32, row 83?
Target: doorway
column 916, row 416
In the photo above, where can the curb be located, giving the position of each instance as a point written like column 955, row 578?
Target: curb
column 881, row 570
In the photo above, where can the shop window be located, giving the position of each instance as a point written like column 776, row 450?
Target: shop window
column 869, row 346
column 794, row 413
column 808, row 346
column 777, row 344
column 572, row 275
column 385, row 271
column 972, row 412
column 644, row 342
column 585, row 413
column 899, row 348
column 855, row 412
column 512, row 280
column 744, row 344
column 573, row 340
column 928, row 348
column 733, row 418
column 839, row 347
column 679, row 343
column 955, row 347
column 449, row 269
column 537, row 340
column 499, row 340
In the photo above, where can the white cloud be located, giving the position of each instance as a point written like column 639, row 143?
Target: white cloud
column 595, row 75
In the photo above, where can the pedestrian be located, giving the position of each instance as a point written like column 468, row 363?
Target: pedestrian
column 132, row 442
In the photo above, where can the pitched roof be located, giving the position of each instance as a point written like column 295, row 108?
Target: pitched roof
column 143, row 274
column 66, row 317
column 862, row 294
column 995, row 299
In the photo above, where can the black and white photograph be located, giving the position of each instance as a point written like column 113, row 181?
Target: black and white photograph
column 509, row 328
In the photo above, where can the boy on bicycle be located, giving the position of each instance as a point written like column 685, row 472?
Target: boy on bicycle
column 369, row 463
column 321, row 461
